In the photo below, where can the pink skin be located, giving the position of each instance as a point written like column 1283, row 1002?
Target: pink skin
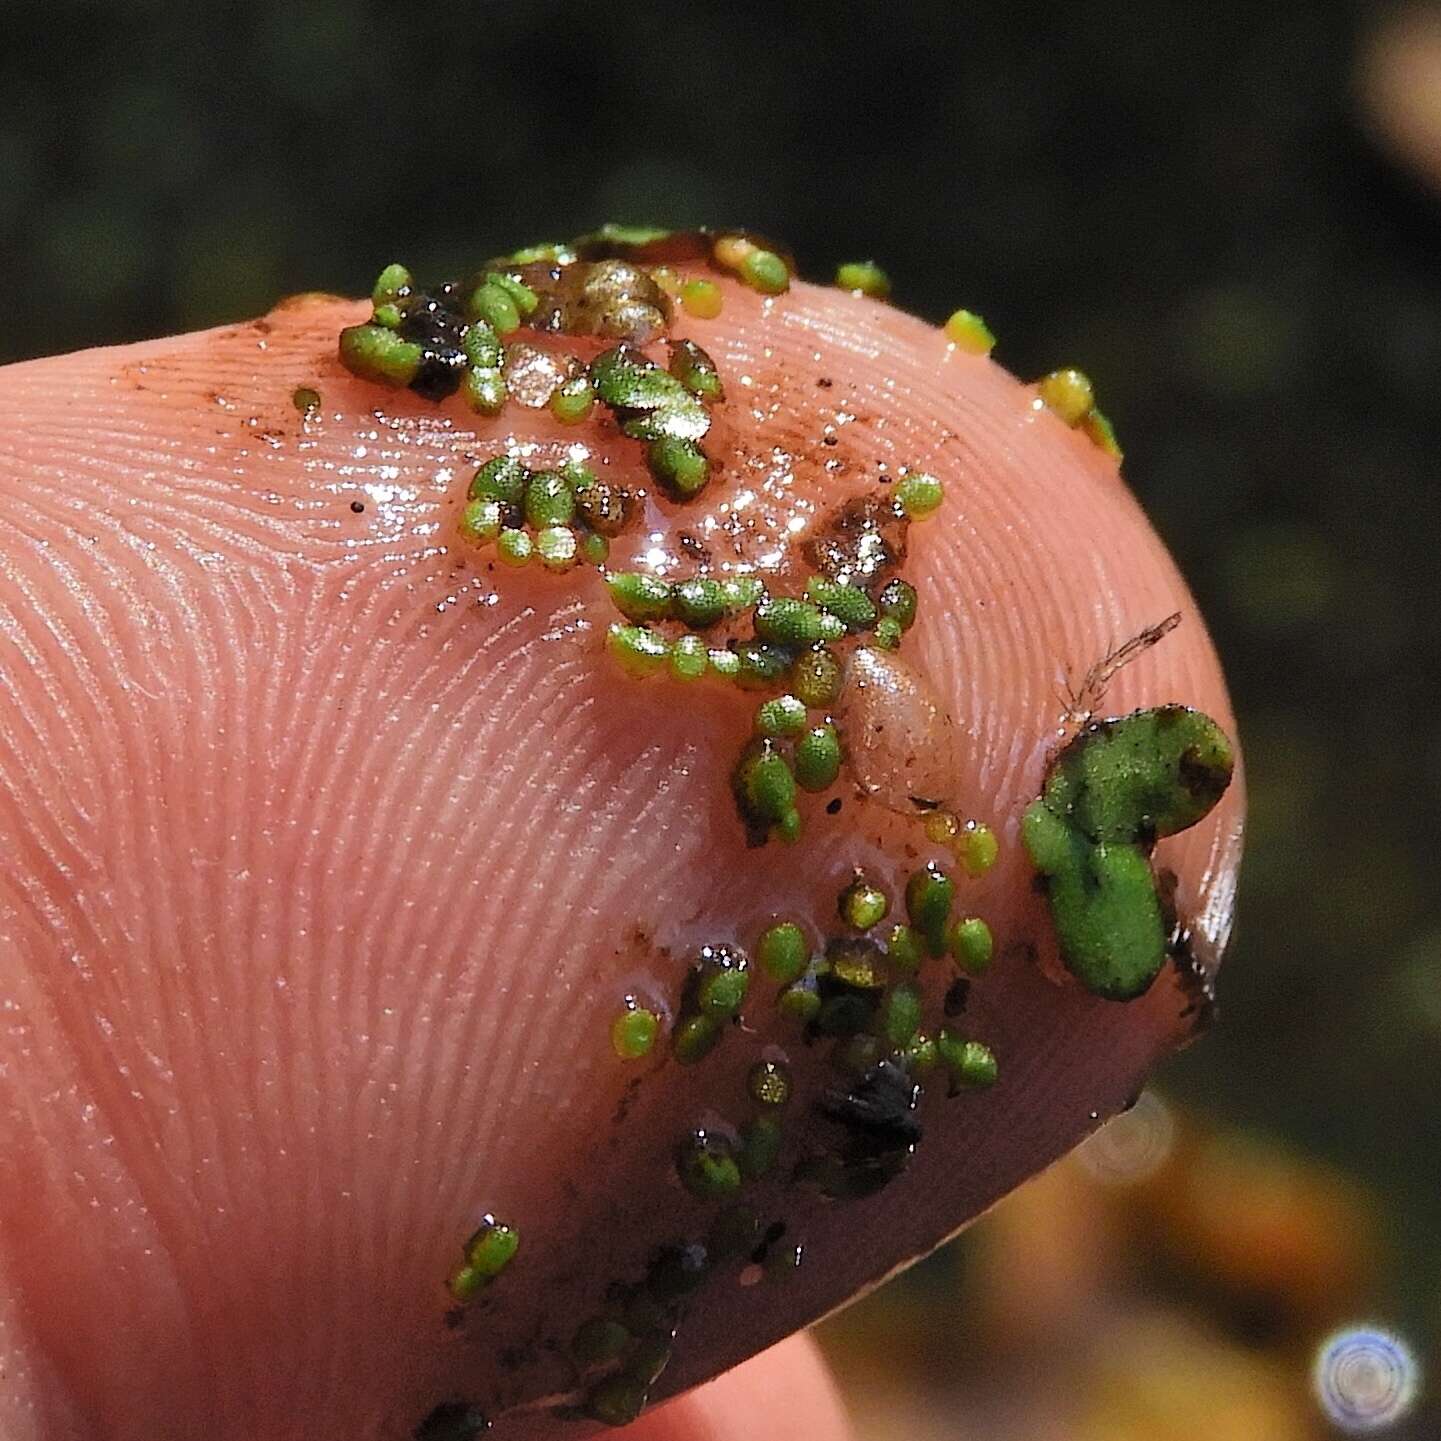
column 333, row 850
column 784, row 1394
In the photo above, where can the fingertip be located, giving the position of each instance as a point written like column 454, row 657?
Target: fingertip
column 784, row 1394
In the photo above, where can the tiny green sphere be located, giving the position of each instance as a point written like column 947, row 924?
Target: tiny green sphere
column 481, row 521
column 904, row 950
column 864, row 277
column 785, row 621
column 622, row 239
column 698, row 603
column 492, row 305
column 760, row 1145
column 637, row 649
column 919, row 494
column 978, row 848
column 594, row 548
column 579, row 474
column 502, row 478
column 688, row 658
column 782, row 715
column 818, row 758
column 305, row 399
column 969, row 1062
column 848, row 603
column 525, row 299
column 648, row 1361
column 492, row 1248
column 897, row 602
column 721, row 994
column 741, row 592
column 530, row 254
column 888, row 633
column 725, row 663
column 720, row 979
column 782, row 952
column 971, row 945
column 465, row 1282
column 1069, row 393
column 549, row 499
column 387, row 315
column 393, row 283
column 376, row 353
column 800, row 1001
column 760, row 666
column 695, row 370
column 967, row 331
column 816, row 677
column 482, row 346
column 901, row 1014
column 484, row 391
column 638, row 595
column 701, row 298
column 929, row 893
column 573, row 401
column 858, row 963
column 695, row 1038
column 514, row 546
column 919, row 1055
column 679, row 464
column 862, row 904
column 707, row 1166
column 599, row 1340
column 1101, row 433
column 616, row 1401
column 557, row 547
column 633, row 1033
column 769, row 1083
column 765, row 271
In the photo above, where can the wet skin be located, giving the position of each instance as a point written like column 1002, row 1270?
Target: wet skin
column 333, row 848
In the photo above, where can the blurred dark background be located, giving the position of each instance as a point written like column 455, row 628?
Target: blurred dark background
column 1197, row 204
